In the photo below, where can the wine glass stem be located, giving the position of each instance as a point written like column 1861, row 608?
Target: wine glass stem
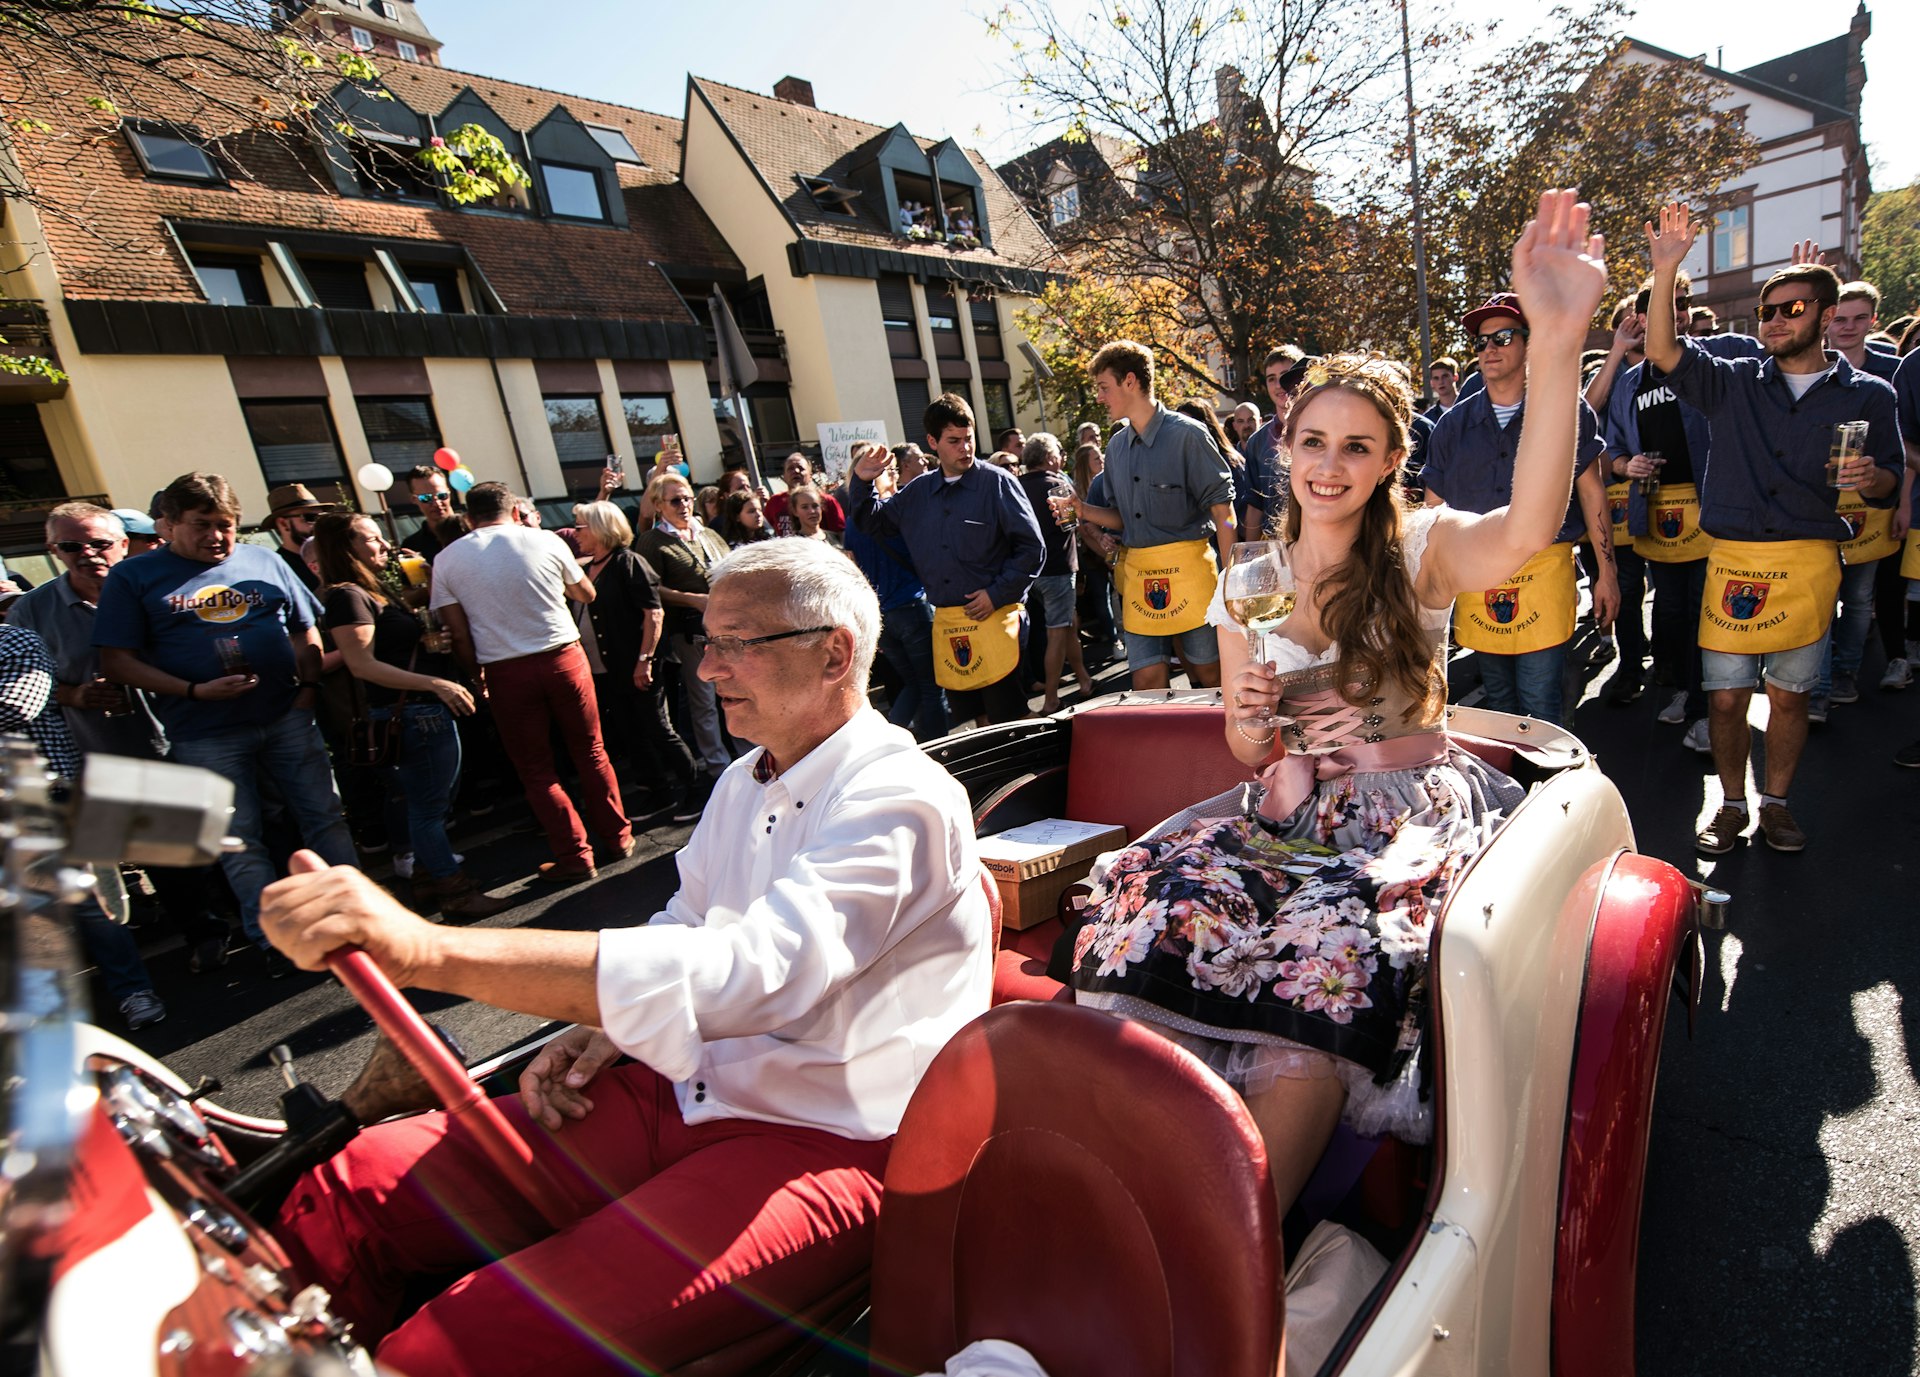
column 1253, row 657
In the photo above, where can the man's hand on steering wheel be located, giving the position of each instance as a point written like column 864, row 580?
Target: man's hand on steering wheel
column 552, row 1086
column 320, row 908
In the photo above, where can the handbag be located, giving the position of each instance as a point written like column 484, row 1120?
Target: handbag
column 370, row 744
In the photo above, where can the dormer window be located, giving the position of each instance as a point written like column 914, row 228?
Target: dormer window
column 1065, row 205
column 831, row 197
column 574, row 192
column 619, row 147
column 362, row 38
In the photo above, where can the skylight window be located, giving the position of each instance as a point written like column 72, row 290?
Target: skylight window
column 618, row 146
column 165, row 153
column 831, row 197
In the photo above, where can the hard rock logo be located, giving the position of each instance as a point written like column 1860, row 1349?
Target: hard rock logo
column 1743, row 598
column 1159, row 593
column 1503, row 604
column 216, row 603
column 962, row 650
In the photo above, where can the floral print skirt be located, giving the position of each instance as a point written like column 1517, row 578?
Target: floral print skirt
column 1295, row 948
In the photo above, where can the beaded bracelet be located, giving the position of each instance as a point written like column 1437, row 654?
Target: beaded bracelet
column 1255, row 740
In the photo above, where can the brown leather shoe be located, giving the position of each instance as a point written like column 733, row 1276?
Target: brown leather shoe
column 424, row 891
column 1780, row 830
column 566, row 872
column 1723, row 833
column 461, row 898
column 620, row 853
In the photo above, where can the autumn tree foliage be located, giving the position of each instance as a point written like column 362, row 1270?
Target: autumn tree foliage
column 1890, row 249
column 1213, row 241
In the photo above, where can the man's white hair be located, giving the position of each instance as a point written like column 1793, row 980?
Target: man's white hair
column 823, row 588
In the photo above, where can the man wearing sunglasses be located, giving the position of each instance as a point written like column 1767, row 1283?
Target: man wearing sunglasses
column 1774, row 571
column 433, row 503
column 1520, row 642
column 1641, row 416
column 103, row 717
column 828, row 936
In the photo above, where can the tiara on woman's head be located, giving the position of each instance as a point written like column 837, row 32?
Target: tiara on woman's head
column 1387, row 378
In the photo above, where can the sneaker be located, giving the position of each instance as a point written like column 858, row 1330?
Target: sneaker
column 403, row 864
column 1699, row 738
column 1817, row 707
column 1846, row 688
column 210, row 954
column 1908, row 756
column 1723, row 833
column 1675, row 712
column 691, row 805
column 1899, row 674
column 1779, row 828
column 141, row 1009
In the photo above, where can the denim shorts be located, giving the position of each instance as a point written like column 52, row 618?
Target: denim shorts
column 1200, row 646
column 1056, row 599
column 1790, row 671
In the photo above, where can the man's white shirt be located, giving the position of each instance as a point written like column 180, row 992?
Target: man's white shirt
column 511, row 582
column 830, row 934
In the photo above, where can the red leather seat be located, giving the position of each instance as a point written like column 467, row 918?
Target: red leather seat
column 1136, row 764
column 1029, row 1198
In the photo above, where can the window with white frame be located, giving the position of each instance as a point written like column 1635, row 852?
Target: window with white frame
column 361, row 38
column 408, row 53
column 1732, row 239
column 1065, row 204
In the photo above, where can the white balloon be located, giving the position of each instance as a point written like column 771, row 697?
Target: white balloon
column 375, row 477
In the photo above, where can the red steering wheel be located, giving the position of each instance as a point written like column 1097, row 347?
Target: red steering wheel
column 450, row 1083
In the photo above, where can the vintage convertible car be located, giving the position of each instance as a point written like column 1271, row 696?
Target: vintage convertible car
column 1062, row 1180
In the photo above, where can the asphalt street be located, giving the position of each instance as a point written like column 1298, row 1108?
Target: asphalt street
column 1781, row 1228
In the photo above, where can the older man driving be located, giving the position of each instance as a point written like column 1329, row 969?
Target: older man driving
column 830, row 933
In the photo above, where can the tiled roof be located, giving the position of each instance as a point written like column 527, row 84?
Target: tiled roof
column 109, row 239
column 785, row 141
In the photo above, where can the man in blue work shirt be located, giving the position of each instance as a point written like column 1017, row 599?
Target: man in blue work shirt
column 1771, row 507
column 1167, row 490
column 223, row 640
column 1642, row 417
column 1520, row 631
column 976, row 545
column 906, row 617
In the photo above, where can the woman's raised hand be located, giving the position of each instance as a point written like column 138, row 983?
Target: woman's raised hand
column 1559, row 270
column 1671, row 241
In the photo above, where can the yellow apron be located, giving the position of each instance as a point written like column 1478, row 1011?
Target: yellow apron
column 1673, row 527
column 1767, row 596
column 1533, row 610
column 1872, row 529
column 1617, row 513
column 1165, row 589
column 971, row 655
column 1910, row 559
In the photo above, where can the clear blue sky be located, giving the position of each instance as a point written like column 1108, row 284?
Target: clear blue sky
column 934, row 65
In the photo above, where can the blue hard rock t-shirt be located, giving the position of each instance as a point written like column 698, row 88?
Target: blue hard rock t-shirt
column 171, row 610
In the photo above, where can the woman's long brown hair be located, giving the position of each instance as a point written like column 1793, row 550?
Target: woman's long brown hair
column 1367, row 603
column 332, row 537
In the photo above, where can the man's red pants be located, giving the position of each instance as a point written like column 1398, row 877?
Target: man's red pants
column 555, row 688
column 687, row 1238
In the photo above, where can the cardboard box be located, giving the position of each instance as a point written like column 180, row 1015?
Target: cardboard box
column 1034, row 864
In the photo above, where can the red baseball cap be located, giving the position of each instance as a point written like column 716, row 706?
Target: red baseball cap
column 1499, row 304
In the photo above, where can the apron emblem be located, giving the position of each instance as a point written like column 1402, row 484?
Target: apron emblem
column 962, row 650
column 1159, row 592
column 1502, row 604
column 1856, row 521
column 1743, row 599
column 1617, row 511
column 1670, row 523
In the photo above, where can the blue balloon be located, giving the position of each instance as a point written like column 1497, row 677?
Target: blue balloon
column 461, row 479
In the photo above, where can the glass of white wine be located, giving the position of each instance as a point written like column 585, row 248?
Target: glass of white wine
column 1259, row 589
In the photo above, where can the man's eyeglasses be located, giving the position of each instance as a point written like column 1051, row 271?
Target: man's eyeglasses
column 92, row 547
column 1792, row 310
column 732, row 647
column 1497, row 339
column 428, row 499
